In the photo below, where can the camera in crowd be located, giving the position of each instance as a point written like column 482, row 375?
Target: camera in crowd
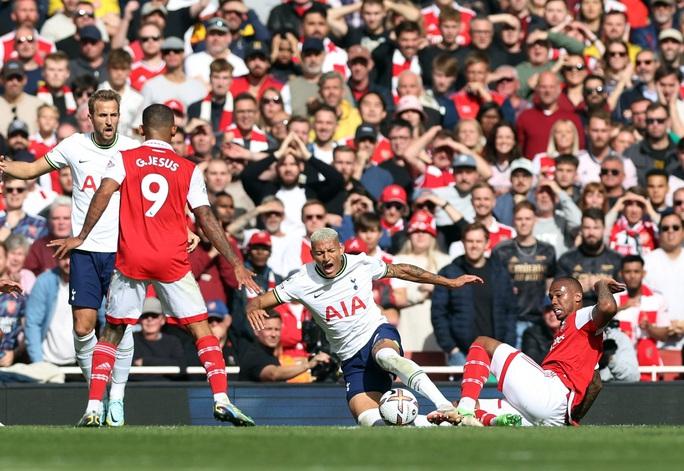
column 315, row 341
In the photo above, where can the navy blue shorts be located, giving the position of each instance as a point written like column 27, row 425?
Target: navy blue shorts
column 89, row 277
column 361, row 373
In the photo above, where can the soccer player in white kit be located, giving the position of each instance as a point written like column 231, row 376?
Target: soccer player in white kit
column 337, row 289
column 91, row 266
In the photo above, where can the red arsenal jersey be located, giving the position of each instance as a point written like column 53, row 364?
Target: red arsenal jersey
column 576, row 349
column 156, row 184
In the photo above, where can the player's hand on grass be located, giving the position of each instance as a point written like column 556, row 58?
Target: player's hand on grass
column 193, row 241
column 64, row 246
column 246, row 278
column 11, row 287
column 256, row 319
column 465, row 280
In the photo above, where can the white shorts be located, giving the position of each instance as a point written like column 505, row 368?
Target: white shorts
column 539, row 395
column 180, row 299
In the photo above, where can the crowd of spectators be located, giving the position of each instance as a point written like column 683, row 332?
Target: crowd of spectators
column 516, row 140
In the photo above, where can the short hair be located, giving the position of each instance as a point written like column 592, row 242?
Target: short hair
column 244, row 96
column 312, row 202
column 476, row 226
column 342, row 148
column 400, row 123
column 568, row 280
column 446, row 64
column 324, row 107
column 16, row 241
column 367, row 222
column 667, row 70
column 407, row 27
column 220, row 65
column 657, row 172
column 57, row 56
column 631, row 259
column 481, row 185
column 638, row 190
column 594, row 214
column 47, row 106
column 615, row 12
column 325, row 234
column 567, row 159
column 593, row 77
column 103, row 95
column 316, row 8
column 119, row 59
column 382, row 100
column 449, row 14
column 272, row 199
column 373, row 2
column 476, row 58
column 524, row 205
column 658, row 106
column 157, row 116
column 297, row 119
column 60, row 201
column 602, row 115
column 331, row 75
column 614, row 158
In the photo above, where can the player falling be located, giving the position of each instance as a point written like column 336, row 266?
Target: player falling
column 155, row 185
column 558, row 392
column 87, row 155
column 337, row 290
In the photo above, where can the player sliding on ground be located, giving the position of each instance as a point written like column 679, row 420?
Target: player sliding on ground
column 336, row 289
column 155, row 185
column 561, row 389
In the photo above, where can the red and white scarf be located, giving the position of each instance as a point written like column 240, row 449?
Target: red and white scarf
column 401, row 64
column 45, row 95
column 226, row 114
column 257, row 139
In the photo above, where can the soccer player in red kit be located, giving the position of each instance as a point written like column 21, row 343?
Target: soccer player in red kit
column 548, row 394
column 155, row 186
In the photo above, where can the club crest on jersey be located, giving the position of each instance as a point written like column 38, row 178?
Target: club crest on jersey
column 347, row 311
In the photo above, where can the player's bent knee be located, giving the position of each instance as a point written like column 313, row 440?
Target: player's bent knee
column 385, row 343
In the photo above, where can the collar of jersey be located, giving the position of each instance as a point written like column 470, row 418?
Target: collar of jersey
column 157, row 143
column 342, row 268
column 92, row 138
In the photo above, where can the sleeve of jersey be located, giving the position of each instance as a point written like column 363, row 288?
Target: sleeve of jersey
column 55, row 158
column 115, row 169
column 377, row 268
column 287, row 291
column 197, row 194
column 584, row 319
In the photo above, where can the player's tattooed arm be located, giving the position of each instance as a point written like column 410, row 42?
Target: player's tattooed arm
column 590, row 396
column 100, row 201
column 214, row 232
column 408, row 272
column 606, row 307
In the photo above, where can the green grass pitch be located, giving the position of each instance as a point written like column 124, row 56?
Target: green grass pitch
column 300, row 448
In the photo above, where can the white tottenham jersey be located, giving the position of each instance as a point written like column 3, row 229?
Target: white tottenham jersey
column 342, row 306
column 88, row 162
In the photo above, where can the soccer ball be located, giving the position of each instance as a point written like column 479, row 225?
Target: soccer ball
column 398, row 407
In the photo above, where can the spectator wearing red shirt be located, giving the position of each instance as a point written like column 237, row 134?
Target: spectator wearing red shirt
column 258, row 79
column 150, row 64
column 534, row 125
column 634, row 231
column 475, row 93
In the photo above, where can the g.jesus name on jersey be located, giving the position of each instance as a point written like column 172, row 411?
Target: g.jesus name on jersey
column 88, row 161
column 342, row 306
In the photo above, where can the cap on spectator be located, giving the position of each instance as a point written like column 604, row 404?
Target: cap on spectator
column 666, row 2
column 394, row 193
column 153, row 7
column 17, row 127
column 260, row 238
column 217, row 24
column 366, row 131
column 90, row 32
column 522, row 164
column 173, row 44
column 671, row 33
column 422, row 221
column 176, row 106
column 151, row 305
column 409, row 103
column 464, row 161
column 355, row 246
column 358, row 52
column 217, row 309
column 257, row 48
column 312, row 44
column 12, row 69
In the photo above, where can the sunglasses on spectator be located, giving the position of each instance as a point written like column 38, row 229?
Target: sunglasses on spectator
column 174, row 51
column 24, row 39
column 610, row 171
column 570, row 68
column 540, row 43
column 310, row 217
column 656, row 120
column 144, row 39
column 395, row 205
column 617, row 53
column 16, row 77
column 593, row 91
column 89, row 42
column 429, row 205
column 644, row 62
column 86, row 13
column 358, row 60
column 678, row 203
column 673, row 228
column 14, row 190
column 273, row 213
column 274, row 100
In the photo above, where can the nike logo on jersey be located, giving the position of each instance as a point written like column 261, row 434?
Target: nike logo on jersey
column 317, row 295
column 83, row 161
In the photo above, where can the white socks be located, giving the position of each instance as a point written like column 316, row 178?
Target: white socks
column 84, row 347
column 372, row 418
column 411, row 375
column 122, row 365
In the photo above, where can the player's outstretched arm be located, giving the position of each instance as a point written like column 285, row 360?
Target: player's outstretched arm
column 256, row 309
column 100, row 201
column 406, row 271
column 25, row 170
column 207, row 221
column 606, row 307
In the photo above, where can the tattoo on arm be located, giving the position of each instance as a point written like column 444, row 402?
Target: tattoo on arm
column 408, row 272
column 215, row 234
column 606, row 307
column 592, row 393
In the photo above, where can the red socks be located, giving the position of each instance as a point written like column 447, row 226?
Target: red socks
column 475, row 372
column 211, row 357
column 485, row 417
column 104, row 356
